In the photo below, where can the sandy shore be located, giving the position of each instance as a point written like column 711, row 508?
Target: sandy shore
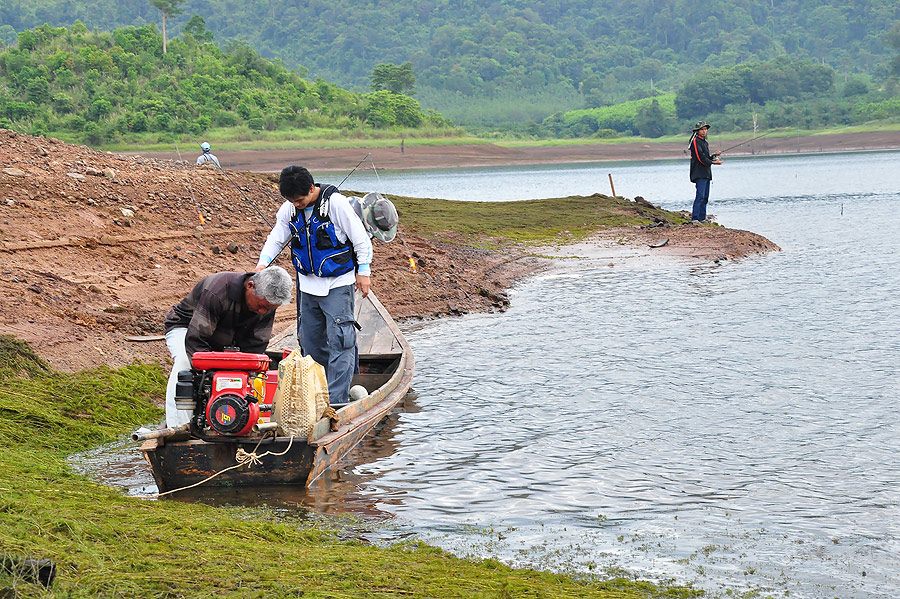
column 458, row 156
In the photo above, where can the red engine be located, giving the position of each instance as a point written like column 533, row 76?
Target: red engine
column 231, row 391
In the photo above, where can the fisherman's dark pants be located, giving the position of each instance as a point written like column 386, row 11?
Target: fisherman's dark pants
column 327, row 332
column 700, row 200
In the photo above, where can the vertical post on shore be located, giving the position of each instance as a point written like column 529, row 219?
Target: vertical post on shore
column 611, row 186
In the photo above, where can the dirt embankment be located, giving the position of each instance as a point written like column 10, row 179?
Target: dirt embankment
column 97, row 247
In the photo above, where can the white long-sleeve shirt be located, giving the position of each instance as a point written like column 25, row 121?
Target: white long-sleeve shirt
column 347, row 225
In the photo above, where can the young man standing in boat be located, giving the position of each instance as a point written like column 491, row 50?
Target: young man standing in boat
column 331, row 250
column 701, row 169
column 225, row 309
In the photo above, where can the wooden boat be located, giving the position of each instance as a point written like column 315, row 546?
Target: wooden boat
column 386, row 369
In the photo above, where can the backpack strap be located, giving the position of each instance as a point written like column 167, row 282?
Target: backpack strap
column 322, row 203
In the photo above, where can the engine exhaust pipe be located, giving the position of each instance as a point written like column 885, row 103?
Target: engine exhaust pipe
column 162, row 433
column 264, row 426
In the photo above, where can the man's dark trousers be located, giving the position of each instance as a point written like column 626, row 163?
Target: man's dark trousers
column 700, row 200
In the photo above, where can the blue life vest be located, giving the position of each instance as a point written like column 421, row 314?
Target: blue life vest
column 315, row 248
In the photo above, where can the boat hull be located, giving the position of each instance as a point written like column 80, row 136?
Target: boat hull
column 184, row 463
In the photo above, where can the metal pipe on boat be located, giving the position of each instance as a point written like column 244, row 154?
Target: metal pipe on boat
column 264, row 426
column 162, row 433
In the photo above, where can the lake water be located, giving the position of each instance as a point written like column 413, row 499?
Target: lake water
column 663, row 182
column 733, row 426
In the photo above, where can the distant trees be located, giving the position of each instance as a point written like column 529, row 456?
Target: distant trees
column 99, row 87
column 486, row 60
column 712, row 90
column 196, row 27
column 397, row 78
column 385, row 108
column 7, row 35
column 167, row 8
column 650, row 117
column 651, row 121
column 893, row 40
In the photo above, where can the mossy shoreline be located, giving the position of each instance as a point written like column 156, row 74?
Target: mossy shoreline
column 106, row 544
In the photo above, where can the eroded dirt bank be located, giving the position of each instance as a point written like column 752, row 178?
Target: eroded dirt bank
column 96, row 247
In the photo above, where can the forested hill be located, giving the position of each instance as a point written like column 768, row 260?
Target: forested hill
column 555, row 54
column 100, row 87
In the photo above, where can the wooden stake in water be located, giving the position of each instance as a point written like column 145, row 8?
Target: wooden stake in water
column 611, row 186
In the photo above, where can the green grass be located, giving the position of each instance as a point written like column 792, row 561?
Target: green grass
column 683, row 137
column 488, row 224
column 109, row 545
column 241, row 138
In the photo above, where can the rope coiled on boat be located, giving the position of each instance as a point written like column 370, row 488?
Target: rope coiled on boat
column 243, row 458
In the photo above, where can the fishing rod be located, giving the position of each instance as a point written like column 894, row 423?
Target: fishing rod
column 240, row 191
column 356, row 167
column 742, row 143
column 191, row 191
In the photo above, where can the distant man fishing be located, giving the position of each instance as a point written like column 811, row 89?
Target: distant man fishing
column 207, row 156
column 701, row 169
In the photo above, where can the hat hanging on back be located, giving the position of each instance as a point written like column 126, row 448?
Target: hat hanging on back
column 380, row 216
column 205, row 147
column 700, row 125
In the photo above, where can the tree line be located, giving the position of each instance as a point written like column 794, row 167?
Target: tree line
column 468, row 55
column 98, row 87
column 777, row 93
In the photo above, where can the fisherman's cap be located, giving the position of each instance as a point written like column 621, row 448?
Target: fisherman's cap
column 205, row 147
column 700, row 125
column 380, row 216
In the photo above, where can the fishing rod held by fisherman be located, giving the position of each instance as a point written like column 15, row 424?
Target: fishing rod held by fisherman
column 729, row 148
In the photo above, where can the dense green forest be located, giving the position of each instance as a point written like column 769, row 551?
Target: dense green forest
column 108, row 86
column 782, row 93
column 475, row 61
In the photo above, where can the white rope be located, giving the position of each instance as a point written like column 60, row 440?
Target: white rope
column 242, row 458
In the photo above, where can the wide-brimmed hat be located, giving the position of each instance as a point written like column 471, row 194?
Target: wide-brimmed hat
column 380, row 216
column 700, row 125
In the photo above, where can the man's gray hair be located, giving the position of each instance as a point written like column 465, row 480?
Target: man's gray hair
column 274, row 285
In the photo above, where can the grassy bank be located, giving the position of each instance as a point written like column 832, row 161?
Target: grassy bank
column 106, row 544
column 682, row 137
column 242, row 138
column 557, row 220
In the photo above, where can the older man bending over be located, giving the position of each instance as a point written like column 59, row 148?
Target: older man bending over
column 225, row 309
